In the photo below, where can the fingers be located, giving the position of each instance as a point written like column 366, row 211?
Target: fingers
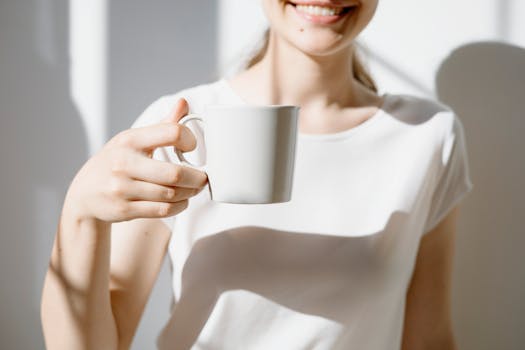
column 146, row 191
column 180, row 109
column 164, row 173
column 148, row 138
column 145, row 209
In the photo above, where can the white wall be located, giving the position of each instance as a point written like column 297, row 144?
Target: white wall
column 37, row 157
column 408, row 40
column 435, row 49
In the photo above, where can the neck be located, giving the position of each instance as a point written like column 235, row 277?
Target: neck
column 289, row 76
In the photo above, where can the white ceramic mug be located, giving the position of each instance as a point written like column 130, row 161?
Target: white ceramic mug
column 250, row 152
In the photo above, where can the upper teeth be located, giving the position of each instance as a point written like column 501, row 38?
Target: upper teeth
column 319, row 10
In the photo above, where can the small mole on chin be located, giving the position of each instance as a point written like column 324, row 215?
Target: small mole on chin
column 301, row 29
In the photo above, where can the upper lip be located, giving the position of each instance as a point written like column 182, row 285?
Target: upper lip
column 324, row 3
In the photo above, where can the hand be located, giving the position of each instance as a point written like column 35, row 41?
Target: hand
column 122, row 181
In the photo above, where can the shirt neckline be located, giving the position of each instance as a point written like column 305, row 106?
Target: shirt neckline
column 325, row 136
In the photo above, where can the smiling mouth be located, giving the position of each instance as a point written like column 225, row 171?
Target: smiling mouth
column 321, row 13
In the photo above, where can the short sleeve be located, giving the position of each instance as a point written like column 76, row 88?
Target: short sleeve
column 454, row 181
column 153, row 114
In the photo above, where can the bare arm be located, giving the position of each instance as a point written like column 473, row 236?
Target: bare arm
column 428, row 323
column 138, row 248
column 109, row 244
column 78, row 299
column 76, row 308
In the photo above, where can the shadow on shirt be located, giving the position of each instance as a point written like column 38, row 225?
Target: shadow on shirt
column 338, row 278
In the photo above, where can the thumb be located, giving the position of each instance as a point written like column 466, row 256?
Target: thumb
column 178, row 111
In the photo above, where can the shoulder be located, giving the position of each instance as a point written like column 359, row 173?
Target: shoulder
column 429, row 114
column 197, row 96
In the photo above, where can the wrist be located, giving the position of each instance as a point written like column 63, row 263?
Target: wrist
column 74, row 216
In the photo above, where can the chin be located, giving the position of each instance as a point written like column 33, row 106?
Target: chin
column 317, row 44
column 319, row 30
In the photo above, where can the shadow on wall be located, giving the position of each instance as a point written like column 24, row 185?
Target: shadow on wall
column 484, row 83
column 42, row 144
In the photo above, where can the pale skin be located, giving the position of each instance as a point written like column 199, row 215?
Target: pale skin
column 110, row 241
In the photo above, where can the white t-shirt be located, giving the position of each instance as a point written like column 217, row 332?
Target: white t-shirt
column 330, row 268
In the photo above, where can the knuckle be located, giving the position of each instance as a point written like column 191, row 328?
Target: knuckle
column 169, row 193
column 123, row 138
column 116, row 187
column 119, row 164
column 163, row 209
column 122, row 209
column 175, row 174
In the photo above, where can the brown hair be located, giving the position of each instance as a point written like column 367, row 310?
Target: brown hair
column 361, row 74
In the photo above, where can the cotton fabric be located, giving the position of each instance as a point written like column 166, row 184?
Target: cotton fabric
column 329, row 269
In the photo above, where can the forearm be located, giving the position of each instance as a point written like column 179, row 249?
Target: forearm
column 436, row 341
column 76, row 307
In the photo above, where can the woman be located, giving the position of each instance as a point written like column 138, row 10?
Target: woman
column 360, row 258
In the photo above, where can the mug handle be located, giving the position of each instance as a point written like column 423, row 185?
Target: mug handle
column 178, row 152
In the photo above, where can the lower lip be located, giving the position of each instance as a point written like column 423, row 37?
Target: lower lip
column 322, row 19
